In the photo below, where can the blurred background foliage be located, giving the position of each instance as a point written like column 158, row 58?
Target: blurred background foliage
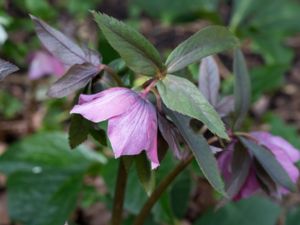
column 44, row 176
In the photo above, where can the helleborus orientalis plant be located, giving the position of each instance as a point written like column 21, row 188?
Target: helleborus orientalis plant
column 196, row 121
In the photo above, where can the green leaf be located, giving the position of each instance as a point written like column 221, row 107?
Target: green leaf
column 139, row 54
column 45, row 176
column 242, row 88
column 79, row 130
column 208, row 41
column 255, row 210
column 182, row 96
column 201, row 151
column 269, row 163
column 49, row 197
column 144, row 172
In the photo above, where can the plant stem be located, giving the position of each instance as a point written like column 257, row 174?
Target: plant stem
column 140, row 219
column 145, row 211
column 111, row 72
column 117, row 212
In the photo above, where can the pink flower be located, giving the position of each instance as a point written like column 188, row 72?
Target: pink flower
column 132, row 120
column 43, row 64
column 283, row 151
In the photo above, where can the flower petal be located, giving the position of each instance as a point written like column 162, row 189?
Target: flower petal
column 292, row 152
column 106, row 104
column 45, row 64
column 135, row 131
column 250, row 187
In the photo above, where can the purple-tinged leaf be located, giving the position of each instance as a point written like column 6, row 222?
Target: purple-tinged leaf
column 62, row 46
column 170, row 134
column 225, row 106
column 209, row 80
column 6, row 68
column 77, row 77
column 240, row 167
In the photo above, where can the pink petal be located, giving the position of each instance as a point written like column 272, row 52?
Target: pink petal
column 250, row 187
column 292, row 152
column 106, row 104
column 44, row 64
column 135, row 131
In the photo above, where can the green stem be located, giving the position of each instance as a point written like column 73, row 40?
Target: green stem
column 111, row 72
column 117, row 212
column 141, row 217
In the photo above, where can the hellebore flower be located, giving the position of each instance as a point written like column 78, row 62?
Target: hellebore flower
column 283, row 151
column 132, row 120
column 42, row 64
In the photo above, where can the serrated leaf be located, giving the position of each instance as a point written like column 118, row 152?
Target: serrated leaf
column 201, row 151
column 209, row 79
column 269, row 163
column 76, row 77
column 183, row 96
column 79, row 130
column 208, row 41
column 242, row 88
column 6, row 68
column 144, row 172
column 62, row 46
column 139, row 54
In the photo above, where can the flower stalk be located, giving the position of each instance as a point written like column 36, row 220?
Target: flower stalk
column 119, row 196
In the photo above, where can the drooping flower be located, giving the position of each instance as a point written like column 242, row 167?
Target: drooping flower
column 283, row 151
column 132, row 120
column 42, row 64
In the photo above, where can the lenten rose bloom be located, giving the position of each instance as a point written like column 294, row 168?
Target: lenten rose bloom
column 42, row 64
column 132, row 120
column 283, row 151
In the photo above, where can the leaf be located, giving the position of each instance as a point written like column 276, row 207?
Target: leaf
column 200, row 149
column 269, row 163
column 170, row 134
column 49, row 198
column 209, row 80
column 76, row 77
column 182, row 96
column 62, row 46
column 225, row 105
column 46, row 177
column 254, row 210
column 208, row 41
column 180, row 194
column 144, row 172
column 240, row 166
column 6, row 68
column 242, row 88
column 78, row 131
column 139, row 54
